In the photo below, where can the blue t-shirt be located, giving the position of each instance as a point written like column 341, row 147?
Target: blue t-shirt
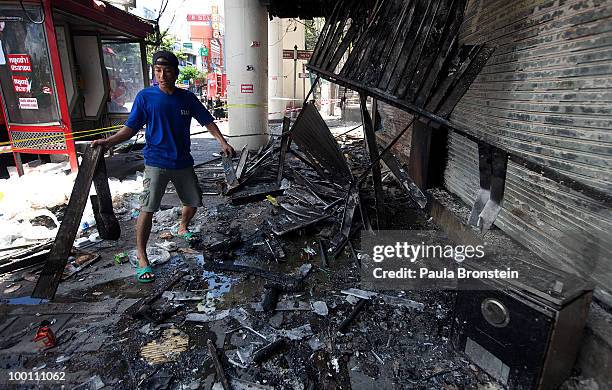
column 168, row 119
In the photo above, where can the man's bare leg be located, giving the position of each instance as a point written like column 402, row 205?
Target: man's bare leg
column 186, row 216
column 143, row 230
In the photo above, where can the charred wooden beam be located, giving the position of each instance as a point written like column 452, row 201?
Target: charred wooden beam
column 419, row 154
column 372, row 148
column 467, row 77
column 212, row 350
column 53, row 269
column 447, row 48
column 270, row 299
column 284, row 146
column 421, row 41
column 280, row 229
column 140, row 306
column 356, row 53
column 351, row 317
column 323, row 253
column 275, row 248
column 24, row 262
column 102, row 205
column 367, row 58
column 400, row 35
column 269, row 350
column 312, row 136
column 404, row 179
column 230, row 267
column 228, row 169
column 244, row 155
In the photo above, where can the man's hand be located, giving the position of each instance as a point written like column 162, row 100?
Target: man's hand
column 101, row 142
column 227, row 149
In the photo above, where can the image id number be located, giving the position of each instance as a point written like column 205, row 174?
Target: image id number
column 37, row 376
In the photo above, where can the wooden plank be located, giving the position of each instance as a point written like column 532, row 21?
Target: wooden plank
column 402, row 25
column 285, row 141
column 404, row 179
column 228, row 169
column 397, row 47
column 348, row 39
column 419, row 154
column 221, row 377
column 372, row 149
column 447, row 83
column 465, row 81
column 358, row 47
column 53, row 269
column 446, row 49
column 424, row 39
column 397, row 11
column 376, row 36
column 102, row 205
column 412, row 40
column 324, row 34
column 25, row 262
column 244, row 155
column 332, row 38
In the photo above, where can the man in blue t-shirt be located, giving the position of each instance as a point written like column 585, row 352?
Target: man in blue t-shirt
column 167, row 112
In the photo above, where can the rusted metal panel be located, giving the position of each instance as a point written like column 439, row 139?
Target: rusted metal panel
column 546, row 95
column 313, row 138
column 546, row 92
column 563, row 227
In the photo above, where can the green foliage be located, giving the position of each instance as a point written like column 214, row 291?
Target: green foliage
column 190, row 73
column 162, row 41
column 312, row 31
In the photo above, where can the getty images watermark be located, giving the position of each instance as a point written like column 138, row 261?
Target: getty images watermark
column 426, row 259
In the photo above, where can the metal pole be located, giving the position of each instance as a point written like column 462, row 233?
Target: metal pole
column 295, row 55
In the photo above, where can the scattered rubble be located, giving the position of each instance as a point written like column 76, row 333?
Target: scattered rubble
column 268, row 280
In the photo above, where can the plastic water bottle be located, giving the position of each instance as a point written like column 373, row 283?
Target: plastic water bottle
column 88, row 223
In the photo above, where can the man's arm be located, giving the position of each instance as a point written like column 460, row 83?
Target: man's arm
column 225, row 147
column 122, row 135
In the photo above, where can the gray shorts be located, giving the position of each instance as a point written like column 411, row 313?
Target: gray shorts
column 156, row 180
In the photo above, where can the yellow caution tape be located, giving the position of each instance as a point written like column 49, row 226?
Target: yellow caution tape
column 61, row 133
column 58, row 135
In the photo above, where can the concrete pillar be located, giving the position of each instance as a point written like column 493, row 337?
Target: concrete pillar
column 246, row 43
column 276, row 104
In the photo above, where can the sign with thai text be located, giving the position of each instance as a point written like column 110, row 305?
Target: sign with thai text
column 21, row 84
column 28, row 103
column 19, row 62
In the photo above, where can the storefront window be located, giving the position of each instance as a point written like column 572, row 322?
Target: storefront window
column 26, row 76
column 123, row 64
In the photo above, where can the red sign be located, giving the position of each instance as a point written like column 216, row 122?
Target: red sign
column 301, row 54
column 246, row 88
column 304, row 54
column 198, row 17
column 19, row 62
column 21, row 84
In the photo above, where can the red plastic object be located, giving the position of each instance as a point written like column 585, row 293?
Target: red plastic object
column 45, row 338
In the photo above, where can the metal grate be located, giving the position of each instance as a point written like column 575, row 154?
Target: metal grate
column 115, row 121
column 46, row 140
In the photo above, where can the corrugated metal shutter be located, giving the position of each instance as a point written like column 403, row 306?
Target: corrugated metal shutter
column 546, row 93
